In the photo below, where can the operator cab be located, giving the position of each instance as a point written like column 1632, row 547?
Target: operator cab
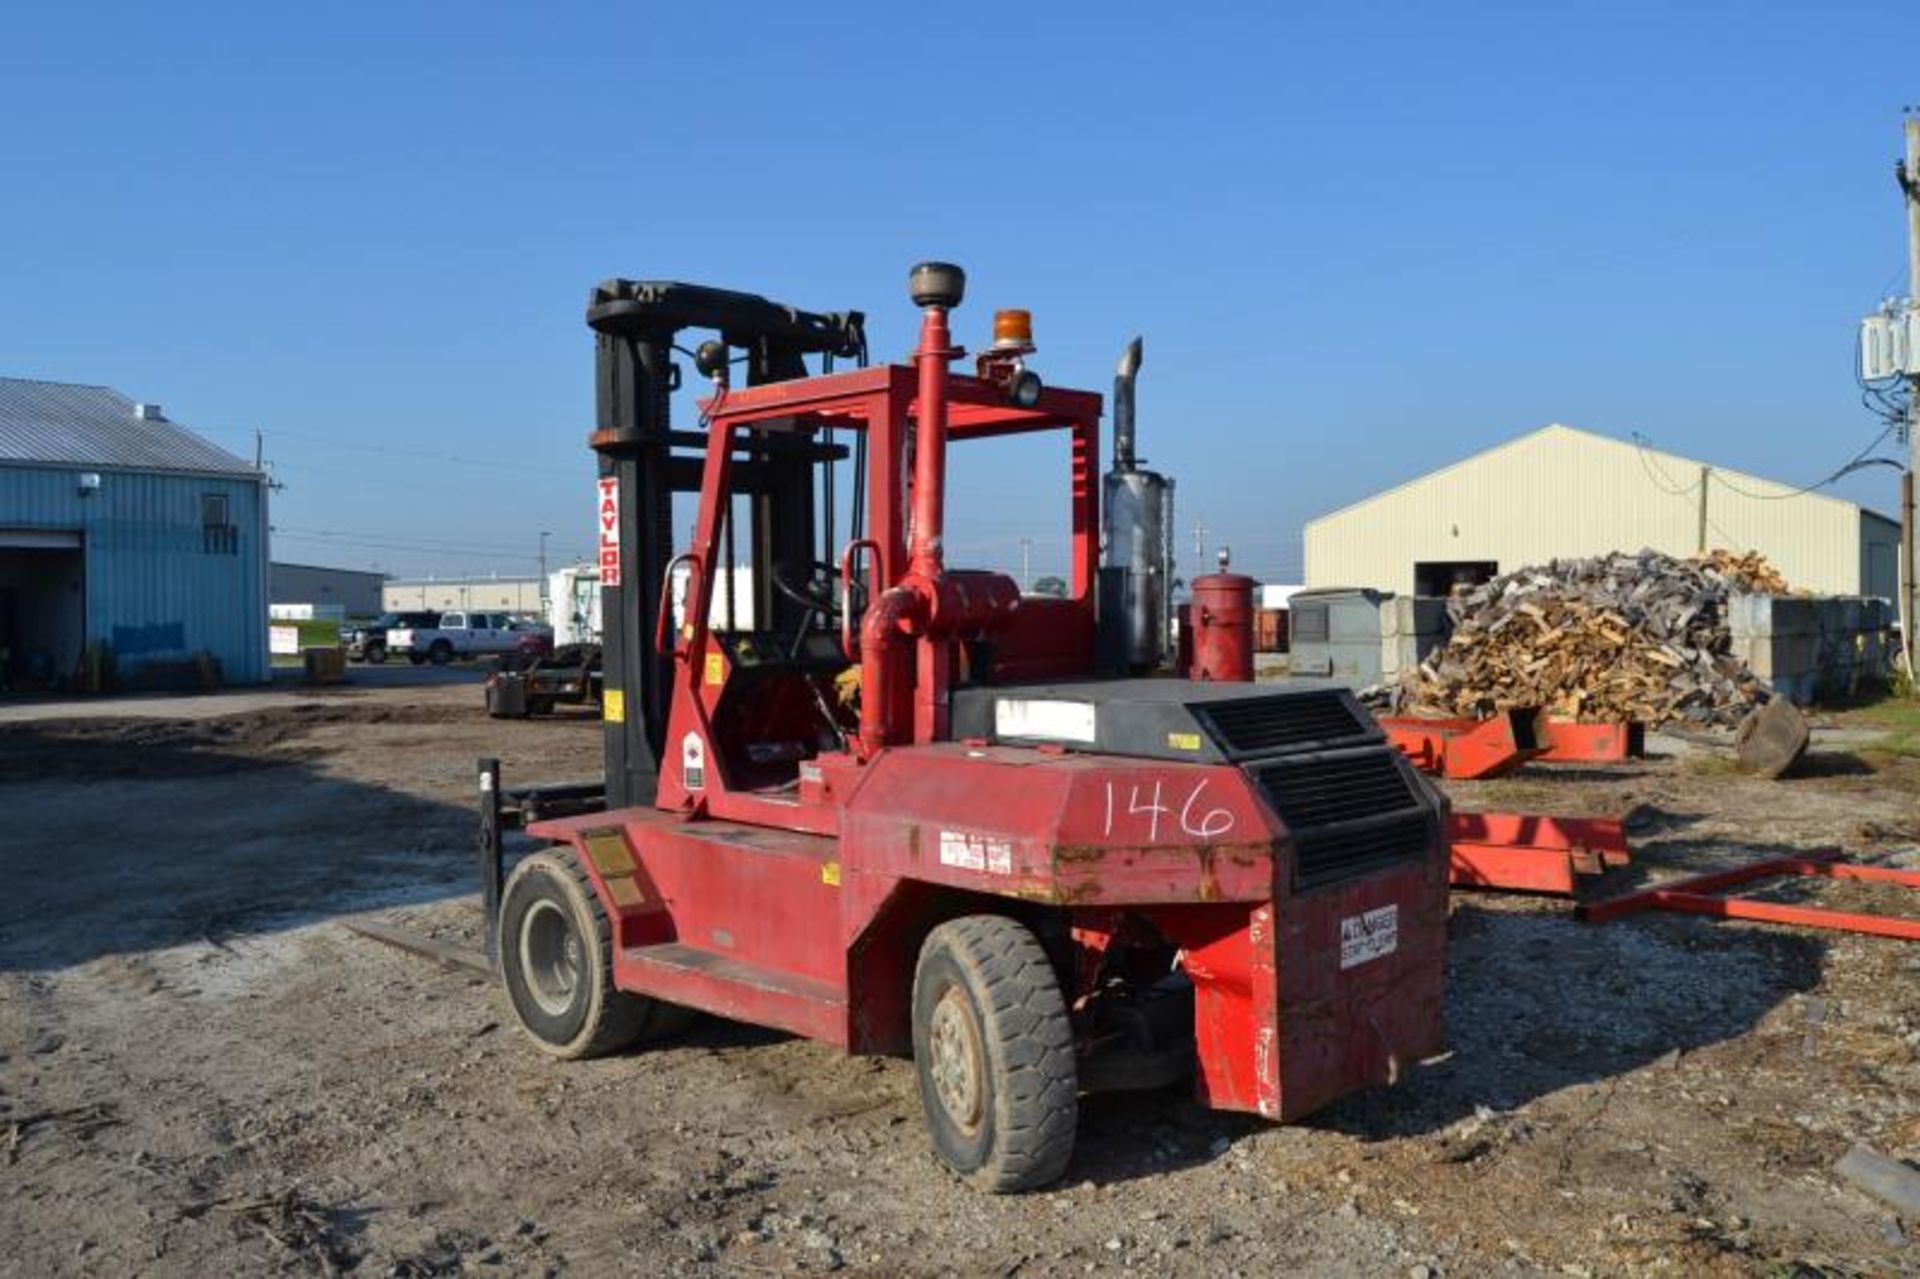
column 777, row 662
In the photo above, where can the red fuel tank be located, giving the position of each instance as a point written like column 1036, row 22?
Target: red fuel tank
column 1222, row 616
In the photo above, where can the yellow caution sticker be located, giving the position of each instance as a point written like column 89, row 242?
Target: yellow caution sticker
column 613, row 706
column 716, row 669
column 607, row 850
column 1184, row 741
column 830, row 874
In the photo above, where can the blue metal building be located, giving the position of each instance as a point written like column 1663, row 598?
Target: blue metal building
column 123, row 532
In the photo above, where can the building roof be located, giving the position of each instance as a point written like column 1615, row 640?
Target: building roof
column 328, row 568
column 1658, row 461
column 499, row 579
column 66, row 424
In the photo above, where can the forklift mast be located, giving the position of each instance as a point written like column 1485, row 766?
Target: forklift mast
column 636, row 324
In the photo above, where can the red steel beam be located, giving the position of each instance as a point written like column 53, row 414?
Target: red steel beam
column 1563, row 741
column 1696, row 895
column 1602, row 837
column 1526, row 870
column 1799, row 916
column 1464, row 749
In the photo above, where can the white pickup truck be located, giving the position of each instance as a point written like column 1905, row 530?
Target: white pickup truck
column 464, row 634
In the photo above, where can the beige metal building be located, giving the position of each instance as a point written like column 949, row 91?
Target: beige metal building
column 355, row 591
column 509, row 594
column 1559, row 492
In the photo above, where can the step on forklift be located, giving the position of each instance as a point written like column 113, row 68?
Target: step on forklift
column 903, row 808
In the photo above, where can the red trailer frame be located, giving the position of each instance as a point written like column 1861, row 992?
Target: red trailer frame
column 1699, row 895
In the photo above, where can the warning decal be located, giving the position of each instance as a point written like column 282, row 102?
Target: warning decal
column 976, row 852
column 1369, row 936
column 693, row 762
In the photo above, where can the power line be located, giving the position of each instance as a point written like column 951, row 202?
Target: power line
column 1649, row 464
column 1663, row 481
column 395, row 451
column 402, row 541
column 400, row 537
column 1852, row 464
column 368, row 544
column 298, row 468
column 1859, row 461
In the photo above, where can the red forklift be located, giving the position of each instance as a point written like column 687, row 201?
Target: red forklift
column 903, row 808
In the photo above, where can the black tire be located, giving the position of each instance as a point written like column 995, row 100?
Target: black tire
column 418, row 659
column 556, row 960
column 376, row 653
column 993, row 1050
column 440, row 653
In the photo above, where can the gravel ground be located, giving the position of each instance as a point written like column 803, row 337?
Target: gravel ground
column 203, row 1072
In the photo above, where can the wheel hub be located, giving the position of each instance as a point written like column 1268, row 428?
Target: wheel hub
column 956, row 1063
column 550, row 957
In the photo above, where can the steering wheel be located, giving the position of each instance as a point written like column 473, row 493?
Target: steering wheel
column 818, row 592
column 814, row 586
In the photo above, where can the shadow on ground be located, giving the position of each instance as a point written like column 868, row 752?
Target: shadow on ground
column 125, row 836
column 1537, row 1002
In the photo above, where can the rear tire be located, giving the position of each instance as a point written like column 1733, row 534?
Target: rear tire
column 993, row 1050
column 556, row 960
column 376, row 653
column 418, row 659
column 440, row 653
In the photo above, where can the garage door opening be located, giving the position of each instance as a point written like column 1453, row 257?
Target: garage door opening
column 1442, row 577
column 42, row 610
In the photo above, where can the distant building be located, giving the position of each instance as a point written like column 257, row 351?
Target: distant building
column 1559, row 492
column 514, row 594
column 123, row 532
column 355, row 591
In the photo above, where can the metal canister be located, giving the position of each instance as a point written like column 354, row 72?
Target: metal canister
column 1222, row 613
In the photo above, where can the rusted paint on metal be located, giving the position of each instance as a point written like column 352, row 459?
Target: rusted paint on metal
column 1209, row 882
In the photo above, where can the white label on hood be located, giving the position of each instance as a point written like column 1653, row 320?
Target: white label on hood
column 1046, row 720
column 1369, row 936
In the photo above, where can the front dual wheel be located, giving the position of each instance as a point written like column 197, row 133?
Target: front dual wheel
column 556, row 959
column 992, row 1045
column 993, row 1050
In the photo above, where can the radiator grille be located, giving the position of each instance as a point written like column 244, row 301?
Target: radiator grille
column 1323, row 790
column 1333, row 857
column 1260, row 725
column 1349, row 814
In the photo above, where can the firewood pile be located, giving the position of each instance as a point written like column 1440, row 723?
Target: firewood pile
column 1746, row 572
column 1623, row 637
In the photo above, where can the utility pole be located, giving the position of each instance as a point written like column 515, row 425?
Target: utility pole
column 259, row 449
column 544, row 535
column 1910, row 188
column 1706, row 475
column 1026, row 565
column 1200, row 548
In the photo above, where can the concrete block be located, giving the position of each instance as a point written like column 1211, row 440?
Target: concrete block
column 1773, row 657
column 1413, row 615
column 1772, row 615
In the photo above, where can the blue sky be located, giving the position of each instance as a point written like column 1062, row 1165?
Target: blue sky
column 1360, row 242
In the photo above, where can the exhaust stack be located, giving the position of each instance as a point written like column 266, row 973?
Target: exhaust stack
column 1136, row 540
column 1124, row 375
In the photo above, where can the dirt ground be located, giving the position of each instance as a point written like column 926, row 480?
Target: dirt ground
column 203, row 1072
